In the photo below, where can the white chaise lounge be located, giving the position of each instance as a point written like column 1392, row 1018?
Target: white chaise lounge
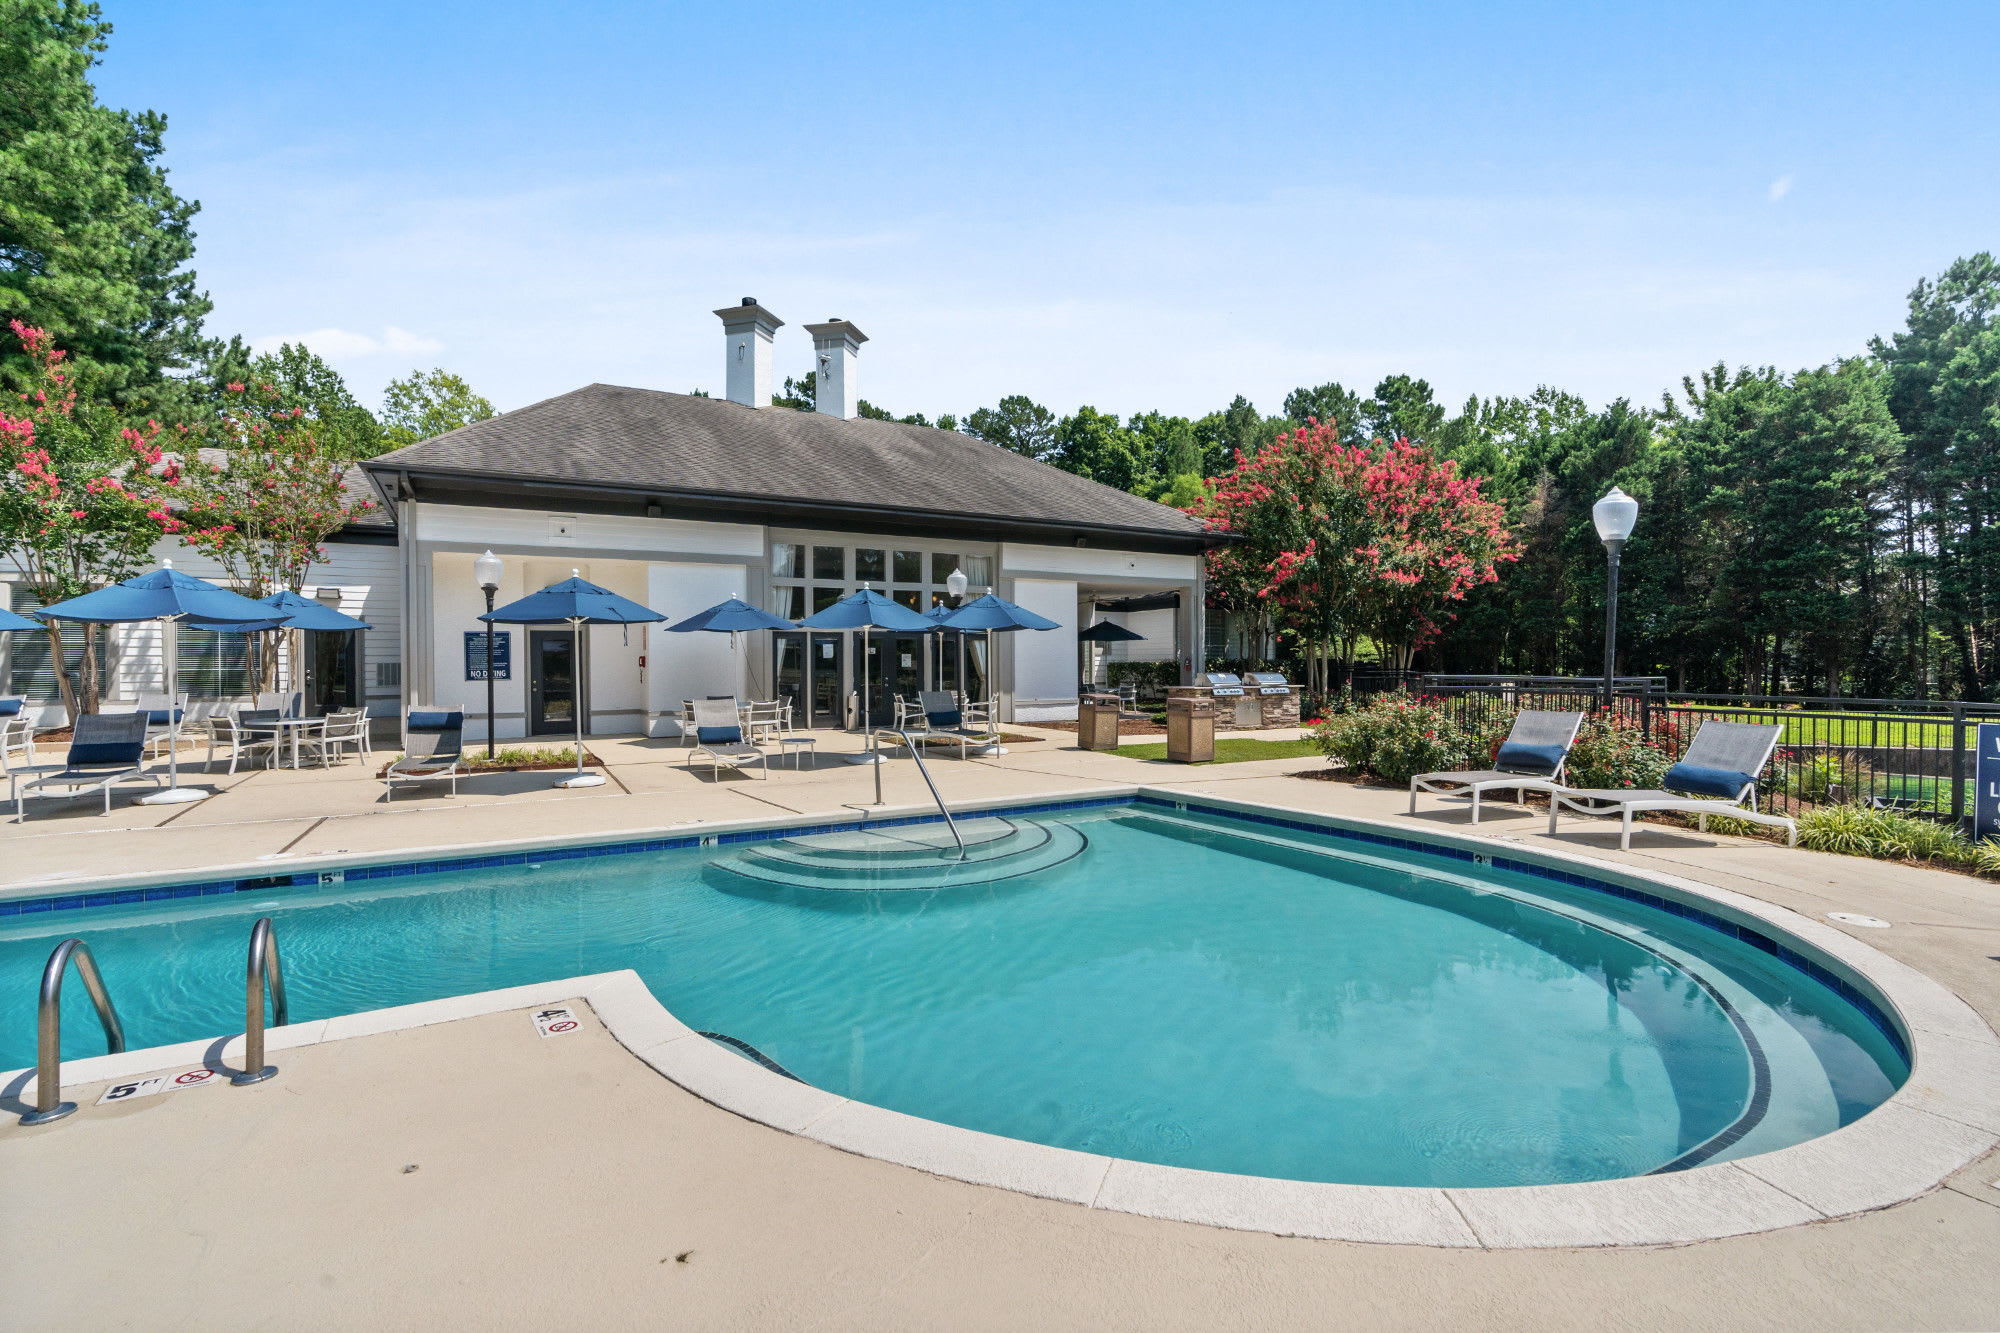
column 1717, row 776
column 1530, row 759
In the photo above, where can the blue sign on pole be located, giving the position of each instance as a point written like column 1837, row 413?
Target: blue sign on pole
column 1986, row 784
column 475, row 655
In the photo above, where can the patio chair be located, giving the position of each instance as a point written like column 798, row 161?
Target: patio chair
column 341, row 731
column 767, row 717
column 1530, row 759
column 433, row 749
column 162, row 715
column 718, row 736
column 944, row 720
column 245, row 731
column 17, row 727
column 288, row 705
column 107, row 749
column 1717, row 776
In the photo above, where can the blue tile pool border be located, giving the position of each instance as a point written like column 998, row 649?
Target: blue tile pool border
column 315, row 879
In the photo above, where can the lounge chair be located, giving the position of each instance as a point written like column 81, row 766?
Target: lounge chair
column 107, row 749
column 1530, row 759
column 433, row 749
column 944, row 720
column 718, row 737
column 1717, row 776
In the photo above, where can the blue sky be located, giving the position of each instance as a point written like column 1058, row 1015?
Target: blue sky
column 1132, row 206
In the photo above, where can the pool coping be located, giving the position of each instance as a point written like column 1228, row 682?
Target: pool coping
column 1946, row 1115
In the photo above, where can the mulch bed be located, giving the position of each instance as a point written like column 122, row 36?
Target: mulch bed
column 539, row 766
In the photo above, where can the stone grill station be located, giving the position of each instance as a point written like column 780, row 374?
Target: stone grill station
column 1262, row 699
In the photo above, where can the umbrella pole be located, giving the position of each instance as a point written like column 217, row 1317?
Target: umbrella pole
column 992, row 722
column 173, row 793
column 579, row 778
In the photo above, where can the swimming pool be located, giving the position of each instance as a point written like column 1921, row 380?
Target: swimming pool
column 1138, row 981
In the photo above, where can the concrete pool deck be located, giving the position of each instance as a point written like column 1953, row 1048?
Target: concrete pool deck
column 1008, row 1258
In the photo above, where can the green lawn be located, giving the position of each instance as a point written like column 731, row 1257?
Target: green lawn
column 1842, row 729
column 1228, row 750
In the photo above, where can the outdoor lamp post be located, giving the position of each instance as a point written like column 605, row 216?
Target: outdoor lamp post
column 487, row 569
column 954, row 587
column 1614, row 516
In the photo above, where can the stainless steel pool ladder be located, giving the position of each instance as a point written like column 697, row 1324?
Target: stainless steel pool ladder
column 264, row 968
column 916, row 755
column 49, row 1104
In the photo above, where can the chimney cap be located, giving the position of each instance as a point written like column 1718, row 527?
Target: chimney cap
column 834, row 330
column 749, row 315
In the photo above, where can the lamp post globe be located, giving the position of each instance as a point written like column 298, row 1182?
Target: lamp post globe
column 1615, row 515
column 955, row 583
column 487, row 569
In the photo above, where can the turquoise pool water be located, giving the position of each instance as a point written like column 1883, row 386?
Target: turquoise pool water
column 1175, row 988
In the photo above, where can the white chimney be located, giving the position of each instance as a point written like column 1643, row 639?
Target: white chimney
column 747, row 331
column 835, row 344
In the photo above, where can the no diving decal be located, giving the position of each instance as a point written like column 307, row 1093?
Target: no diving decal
column 556, row 1021
column 147, row 1087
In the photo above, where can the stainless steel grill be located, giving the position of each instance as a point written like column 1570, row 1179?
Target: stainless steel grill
column 1267, row 682
column 1221, row 684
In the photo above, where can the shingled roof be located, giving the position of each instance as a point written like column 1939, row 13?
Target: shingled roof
column 681, row 449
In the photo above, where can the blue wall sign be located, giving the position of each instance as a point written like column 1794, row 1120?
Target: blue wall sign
column 1986, row 784
column 475, row 655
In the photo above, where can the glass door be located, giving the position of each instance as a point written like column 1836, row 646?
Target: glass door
column 333, row 675
column 895, row 666
column 824, row 664
column 552, row 692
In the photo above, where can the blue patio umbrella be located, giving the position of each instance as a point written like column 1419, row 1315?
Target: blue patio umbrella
column 866, row 610
column 991, row 614
column 732, row 617
column 574, row 602
column 288, row 610
column 11, row 621
column 164, row 595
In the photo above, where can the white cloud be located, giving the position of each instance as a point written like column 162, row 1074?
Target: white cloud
column 341, row 345
column 1780, row 188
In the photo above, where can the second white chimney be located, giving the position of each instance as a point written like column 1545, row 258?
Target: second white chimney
column 835, row 345
column 747, row 330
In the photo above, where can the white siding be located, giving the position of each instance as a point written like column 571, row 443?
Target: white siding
column 1091, row 564
column 1045, row 660
column 370, row 589
column 516, row 529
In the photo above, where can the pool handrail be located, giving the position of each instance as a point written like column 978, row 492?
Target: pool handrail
column 263, row 968
column 911, row 745
column 49, row 1104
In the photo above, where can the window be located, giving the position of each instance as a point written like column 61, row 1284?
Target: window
column 788, row 561
column 869, row 566
column 28, row 670
column 824, row 597
column 212, row 665
column 941, row 567
column 788, row 602
column 910, row 597
column 978, row 571
column 909, row 566
column 830, row 563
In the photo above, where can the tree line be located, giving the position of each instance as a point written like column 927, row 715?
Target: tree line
column 1831, row 530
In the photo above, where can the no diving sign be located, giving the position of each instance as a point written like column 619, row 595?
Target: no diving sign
column 556, row 1021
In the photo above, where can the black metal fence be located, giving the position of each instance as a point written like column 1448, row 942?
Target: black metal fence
column 1914, row 755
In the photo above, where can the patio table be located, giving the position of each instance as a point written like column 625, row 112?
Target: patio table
column 295, row 727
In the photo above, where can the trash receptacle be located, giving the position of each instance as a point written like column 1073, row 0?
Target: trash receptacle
column 1190, row 727
column 1097, row 722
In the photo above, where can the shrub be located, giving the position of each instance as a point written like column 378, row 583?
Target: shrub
column 1395, row 737
column 1854, row 830
column 1613, row 751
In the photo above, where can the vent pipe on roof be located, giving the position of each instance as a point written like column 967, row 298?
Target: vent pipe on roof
column 835, row 345
column 747, row 330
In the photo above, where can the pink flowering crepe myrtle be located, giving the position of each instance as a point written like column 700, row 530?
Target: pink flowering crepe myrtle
column 1342, row 542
